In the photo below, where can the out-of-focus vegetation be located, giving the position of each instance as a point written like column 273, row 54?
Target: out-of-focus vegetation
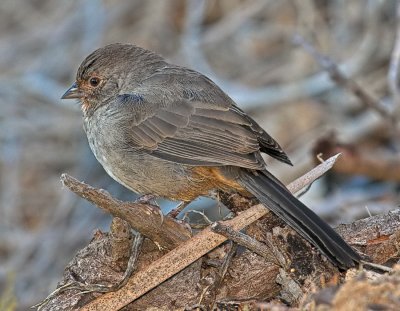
column 245, row 46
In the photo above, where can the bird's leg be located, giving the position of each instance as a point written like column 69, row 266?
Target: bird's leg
column 179, row 208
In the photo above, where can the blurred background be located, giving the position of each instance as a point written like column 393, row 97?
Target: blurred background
column 247, row 47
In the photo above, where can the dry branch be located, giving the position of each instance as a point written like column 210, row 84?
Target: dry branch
column 244, row 240
column 394, row 66
column 182, row 256
column 336, row 75
column 301, row 267
column 144, row 218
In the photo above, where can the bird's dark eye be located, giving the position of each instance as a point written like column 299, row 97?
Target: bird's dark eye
column 94, row 81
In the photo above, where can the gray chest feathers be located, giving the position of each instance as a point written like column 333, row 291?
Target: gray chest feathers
column 136, row 169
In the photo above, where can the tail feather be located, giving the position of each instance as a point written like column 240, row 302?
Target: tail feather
column 271, row 192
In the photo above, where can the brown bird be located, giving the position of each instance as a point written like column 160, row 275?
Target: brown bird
column 166, row 130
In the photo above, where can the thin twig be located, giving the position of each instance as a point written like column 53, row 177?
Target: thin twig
column 223, row 270
column 227, row 262
column 244, row 240
column 377, row 266
column 252, row 98
column 394, row 66
column 132, row 262
column 204, row 216
column 336, row 75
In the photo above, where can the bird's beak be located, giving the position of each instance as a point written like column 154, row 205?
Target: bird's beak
column 72, row 92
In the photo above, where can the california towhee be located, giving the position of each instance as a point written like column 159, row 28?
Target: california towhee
column 166, row 130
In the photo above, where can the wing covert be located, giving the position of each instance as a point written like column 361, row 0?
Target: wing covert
column 187, row 119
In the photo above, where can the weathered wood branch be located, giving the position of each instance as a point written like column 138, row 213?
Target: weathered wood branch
column 165, row 281
column 189, row 252
column 145, row 218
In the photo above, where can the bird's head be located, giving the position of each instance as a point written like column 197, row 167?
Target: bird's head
column 110, row 71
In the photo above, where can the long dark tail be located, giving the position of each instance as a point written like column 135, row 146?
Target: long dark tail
column 271, row 192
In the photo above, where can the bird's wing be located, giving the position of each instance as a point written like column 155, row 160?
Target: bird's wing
column 194, row 123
